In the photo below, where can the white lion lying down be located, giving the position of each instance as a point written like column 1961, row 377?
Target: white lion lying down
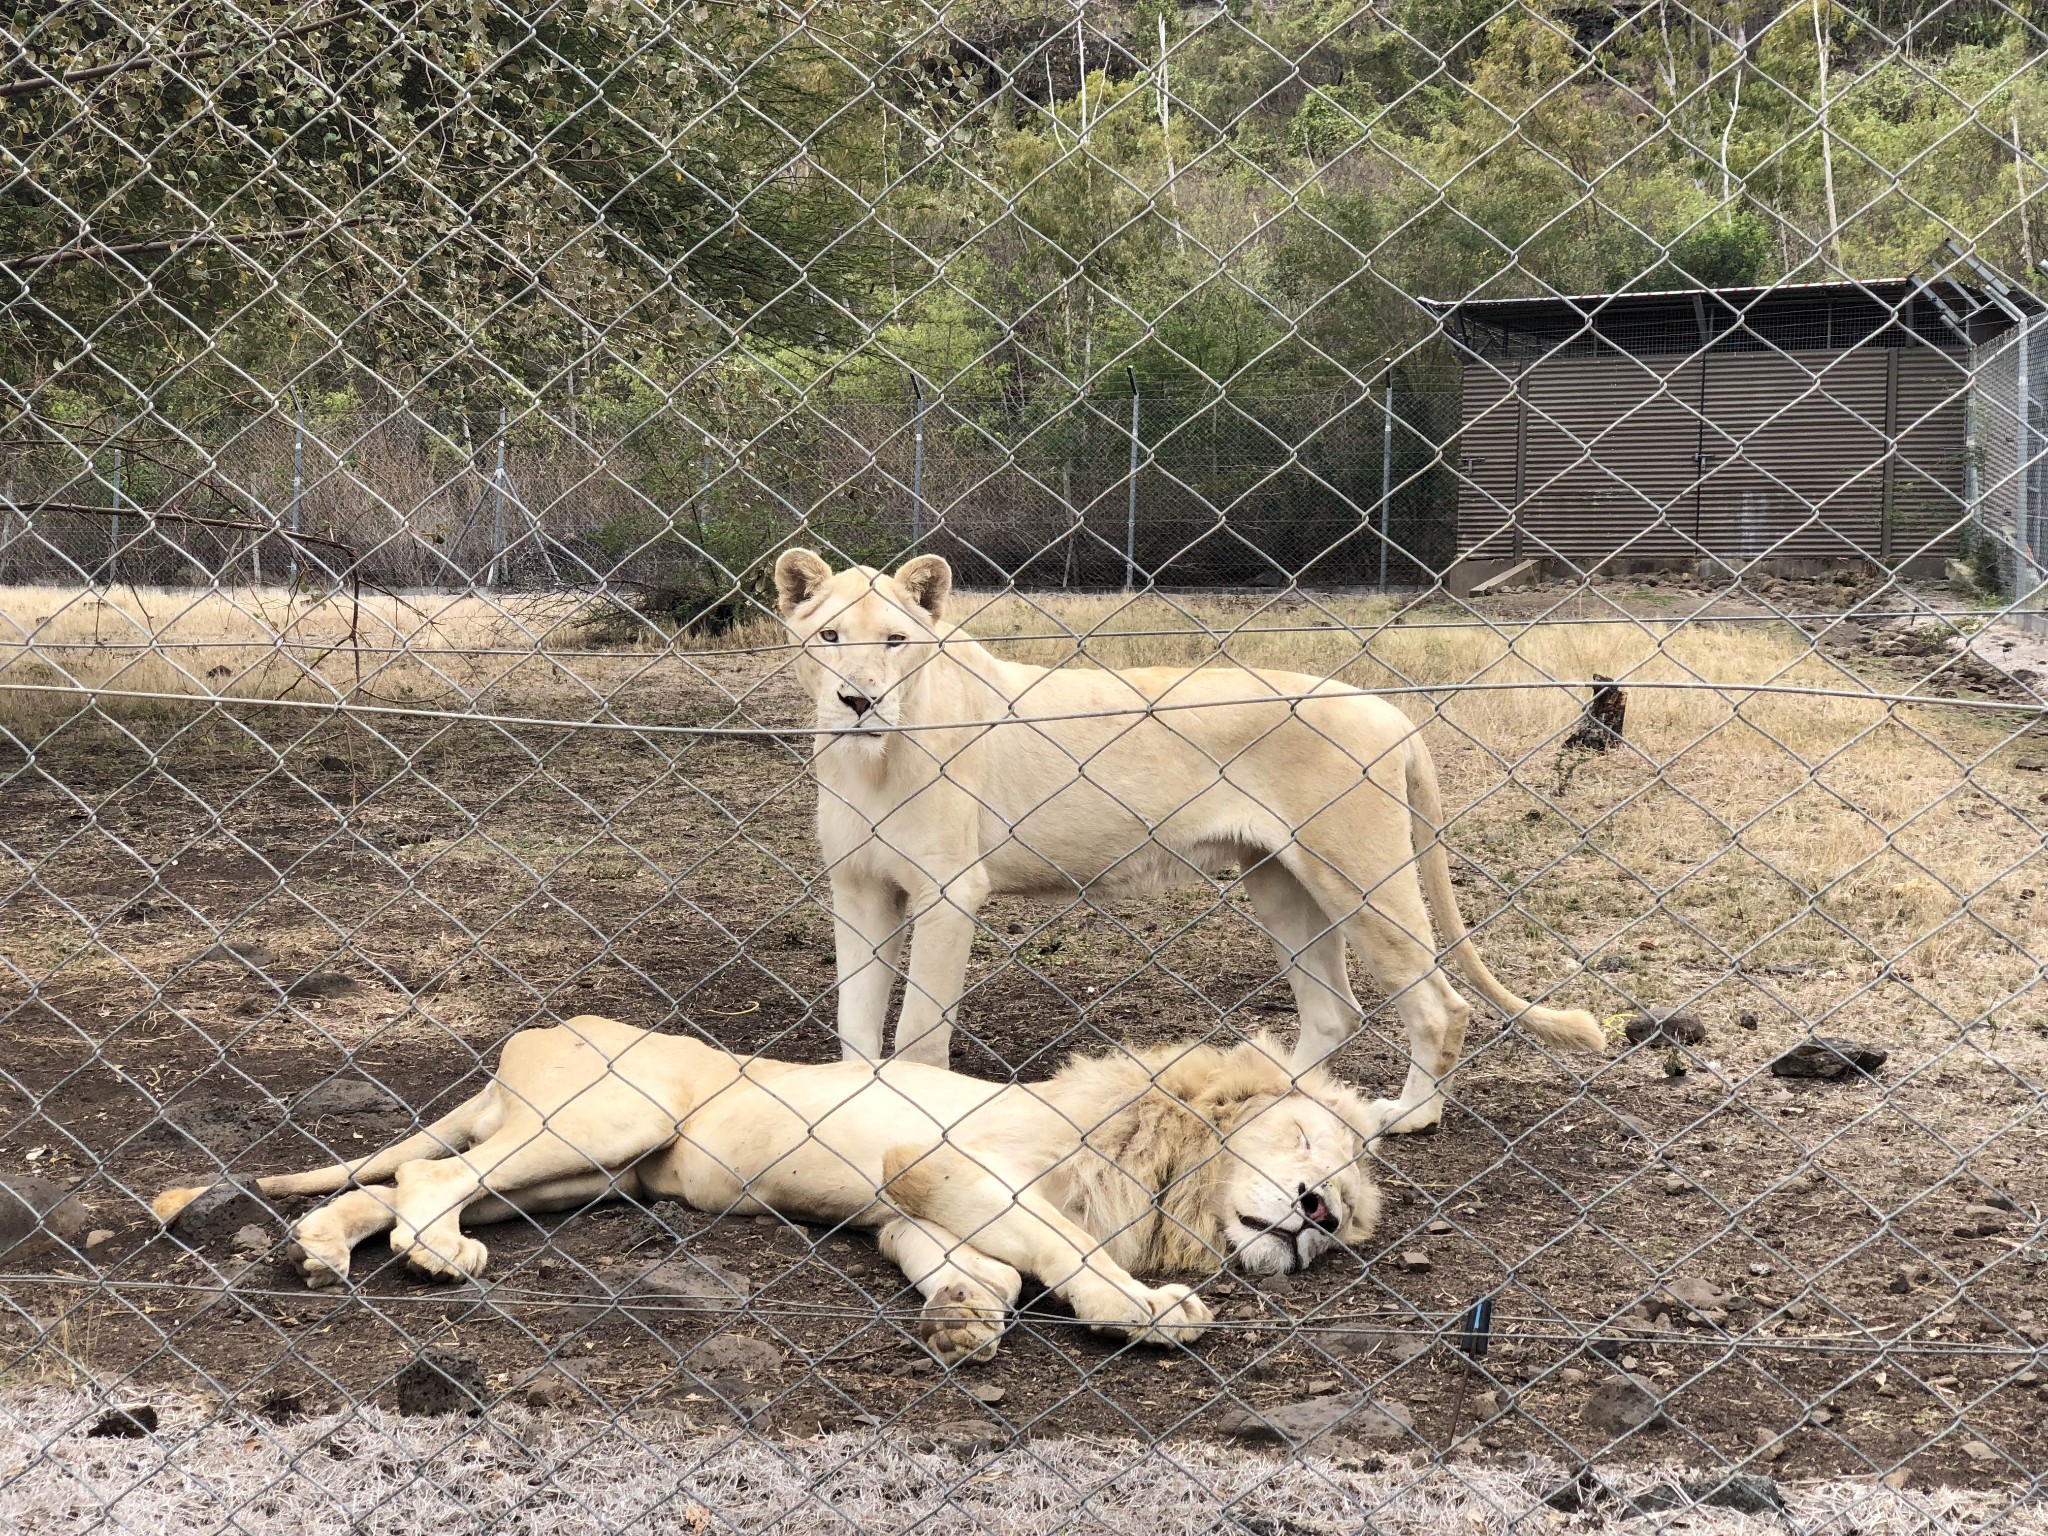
column 1171, row 1159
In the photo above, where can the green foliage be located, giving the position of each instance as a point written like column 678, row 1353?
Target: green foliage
column 1729, row 253
column 687, row 223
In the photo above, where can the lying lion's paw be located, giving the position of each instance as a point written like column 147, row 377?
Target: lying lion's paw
column 320, row 1256
column 963, row 1323
column 1177, row 1316
column 440, row 1256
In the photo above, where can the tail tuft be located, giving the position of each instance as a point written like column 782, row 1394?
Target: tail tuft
column 1572, row 1027
column 171, row 1202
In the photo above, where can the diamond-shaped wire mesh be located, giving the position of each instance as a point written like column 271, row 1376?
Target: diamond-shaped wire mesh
column 1071, row 540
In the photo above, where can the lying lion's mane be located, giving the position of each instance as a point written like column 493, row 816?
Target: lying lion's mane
column 1152, row 1120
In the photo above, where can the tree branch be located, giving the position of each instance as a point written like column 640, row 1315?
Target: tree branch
column 171, row 244
column 51, row 82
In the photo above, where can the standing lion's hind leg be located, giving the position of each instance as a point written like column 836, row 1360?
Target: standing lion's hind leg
column 1389, row 926
column 968, row 1296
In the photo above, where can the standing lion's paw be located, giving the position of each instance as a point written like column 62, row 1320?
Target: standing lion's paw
column 963, row 1323
column 1398, row 1119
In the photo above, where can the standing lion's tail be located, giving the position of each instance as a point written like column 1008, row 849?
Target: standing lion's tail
column 462, row 1127
column 1553, row 1026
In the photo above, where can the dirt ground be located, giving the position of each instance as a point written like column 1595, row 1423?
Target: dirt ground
column 1879, row 1241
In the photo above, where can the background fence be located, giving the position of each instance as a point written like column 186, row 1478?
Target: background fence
column 403, row 409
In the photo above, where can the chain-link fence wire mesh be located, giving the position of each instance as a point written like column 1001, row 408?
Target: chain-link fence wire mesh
column 406, row 409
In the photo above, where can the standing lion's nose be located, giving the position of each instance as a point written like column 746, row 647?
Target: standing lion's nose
column 859, row 703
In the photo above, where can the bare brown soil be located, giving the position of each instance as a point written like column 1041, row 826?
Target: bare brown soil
column 472, row 880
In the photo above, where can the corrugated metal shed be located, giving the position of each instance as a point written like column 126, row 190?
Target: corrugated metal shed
column 1818, row 421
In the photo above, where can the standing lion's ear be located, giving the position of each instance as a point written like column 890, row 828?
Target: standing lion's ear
column 929, row 580
column 798, row 576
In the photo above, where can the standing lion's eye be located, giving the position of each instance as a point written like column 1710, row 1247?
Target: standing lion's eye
column 896, row 640
column 829, row 636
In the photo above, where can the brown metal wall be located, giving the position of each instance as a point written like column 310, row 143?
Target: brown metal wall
column 1793, row 448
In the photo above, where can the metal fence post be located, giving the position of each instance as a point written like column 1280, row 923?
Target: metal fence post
column 1386, row 478
column 1131, row 513
column 113, row 572
column 298, row 488
column 917, row 463
column 493, row 574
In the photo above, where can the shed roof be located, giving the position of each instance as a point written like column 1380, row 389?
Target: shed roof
column 1937, row 310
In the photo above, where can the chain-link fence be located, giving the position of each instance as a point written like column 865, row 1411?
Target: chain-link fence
column 1348, row 473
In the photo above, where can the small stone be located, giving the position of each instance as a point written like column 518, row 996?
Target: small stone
column 1485, row 1405
column 1323, row 1385
column 217, row 1214
column 1618, row 1408
column 1572, row 1376
column 1770, row 1444
column 734, row 1354
column 1978, row 1451
column 1676, row 1184
column 2000, row 1202
column 1798, row 1311
column 343, row 1097
column 321, row 984
column 97, row 1236
column 252, row 1240
column 1697, row 1298
column 553, row 1389
column 965, row 1438
column 1397, row 1346
column 1300, row 1422
column 1664, row 1026
column 1745, row 1021
column 1438, row 1228
column 1822, row 1416
column 126, row 1421
column 1630, row 1363
column 988, row 1394
column 441, row 1381
column 1415, row 1261
column 37, row 1213
column 689, row 1285
column 1761, row 1269
column 1829, row 1059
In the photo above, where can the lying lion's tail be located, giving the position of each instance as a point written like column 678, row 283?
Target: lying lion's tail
column 1553, row 1026
column 459, row 1129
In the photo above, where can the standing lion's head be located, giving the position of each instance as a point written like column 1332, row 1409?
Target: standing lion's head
column 865, row 634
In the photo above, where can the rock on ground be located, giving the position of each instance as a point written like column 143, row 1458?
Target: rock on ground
column 441, row 1381
column 1828, row 1058
column 1623, row 1405
column 37, row 1213
column 1300, row 1422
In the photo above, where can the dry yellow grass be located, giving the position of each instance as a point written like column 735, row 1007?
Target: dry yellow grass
column 1736, row 823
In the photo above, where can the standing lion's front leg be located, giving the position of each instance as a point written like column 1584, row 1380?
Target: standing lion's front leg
column 867, row 940
column 959, row 1190
column 939, row 944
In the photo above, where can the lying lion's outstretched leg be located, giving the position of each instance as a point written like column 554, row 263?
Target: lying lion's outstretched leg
column 993, row 1208
column 1311, row 951
column 322, row 1239
column 968, row 1296
column 526, row 1153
